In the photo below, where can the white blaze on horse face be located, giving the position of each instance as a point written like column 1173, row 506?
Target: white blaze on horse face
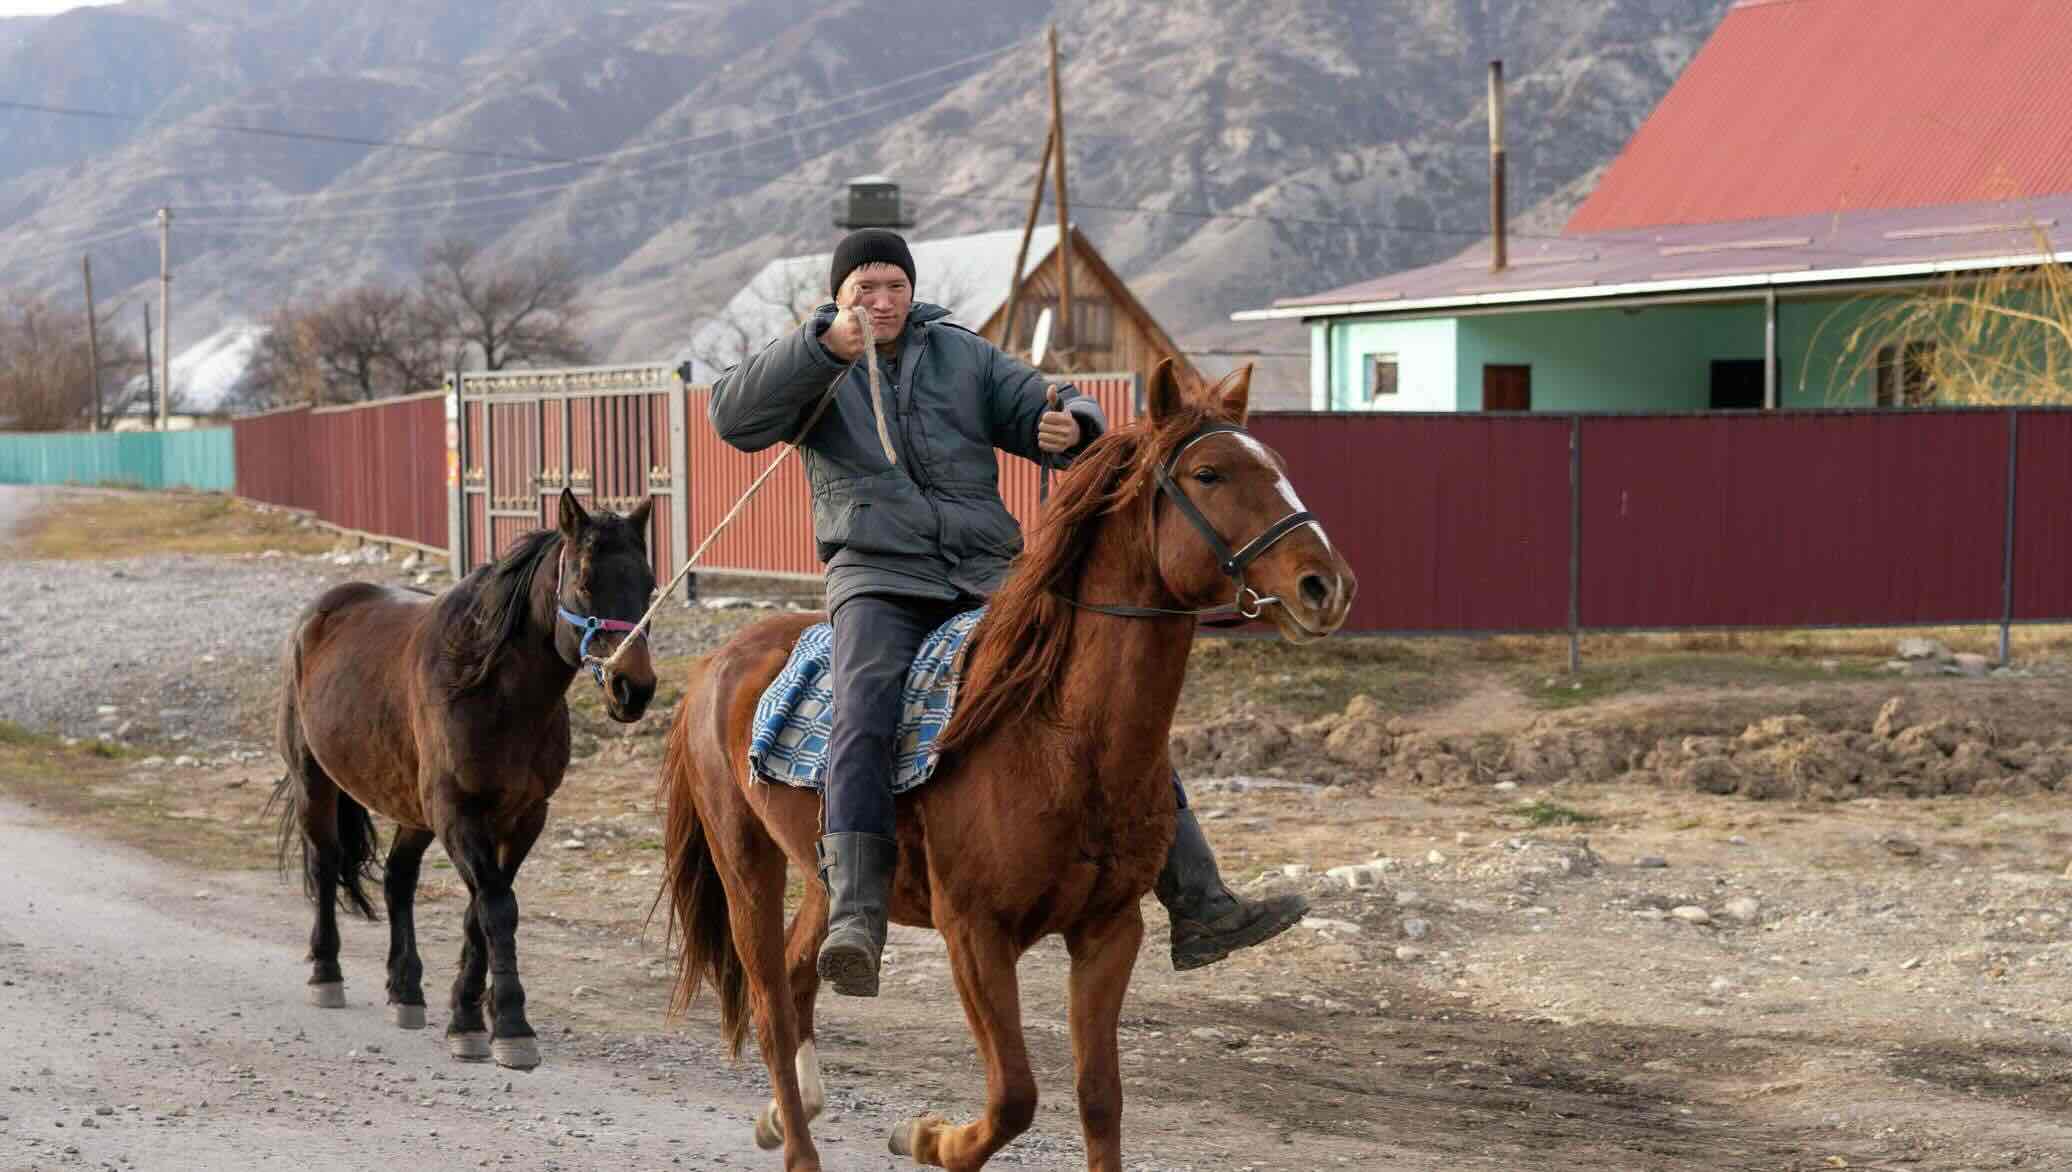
column 1281, row 484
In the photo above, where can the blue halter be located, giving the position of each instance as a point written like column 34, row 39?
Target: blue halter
column 589, row 625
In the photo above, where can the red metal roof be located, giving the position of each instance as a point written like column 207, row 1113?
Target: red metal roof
column 1796, row 107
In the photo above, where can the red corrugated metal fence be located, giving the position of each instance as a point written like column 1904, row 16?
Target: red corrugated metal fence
column 378, row 468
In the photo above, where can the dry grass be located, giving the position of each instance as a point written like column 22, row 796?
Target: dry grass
column 109, row 524
column 203, row 818
column 1999, row 339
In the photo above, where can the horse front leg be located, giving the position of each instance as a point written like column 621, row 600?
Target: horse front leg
column 982, row 960
column 493, row 911
column 1103, row 954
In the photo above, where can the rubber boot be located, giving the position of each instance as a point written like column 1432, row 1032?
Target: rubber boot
column 1209, row 920
column 857, row 870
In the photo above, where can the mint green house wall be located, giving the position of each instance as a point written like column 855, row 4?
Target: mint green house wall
column 1646, row 358
column 1425, row 353
column 200, row 459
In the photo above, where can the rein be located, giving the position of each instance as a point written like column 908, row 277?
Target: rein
column 1249, row 603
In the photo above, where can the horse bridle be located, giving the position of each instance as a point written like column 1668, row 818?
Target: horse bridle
column 589, row 625
column 1249, row 603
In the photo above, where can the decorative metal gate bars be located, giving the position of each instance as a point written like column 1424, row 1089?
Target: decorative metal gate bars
column 613, row 434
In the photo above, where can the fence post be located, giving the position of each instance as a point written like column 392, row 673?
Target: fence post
column 2014, row 434
column 456, row 510
column 680, row 482
column 1575, row 544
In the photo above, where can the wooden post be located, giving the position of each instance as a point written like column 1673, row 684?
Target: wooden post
column 1021, row 255
column 1057, row 134
column 150, row 370
column 165, row 313
column 93, row 345
column 1497, row 229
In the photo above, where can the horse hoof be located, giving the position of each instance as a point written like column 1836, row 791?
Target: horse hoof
column 769, row 1130
column 469, row 1047
column 328, row 995
column 516, row 1053
column 409, row 1017
column 905, row 1139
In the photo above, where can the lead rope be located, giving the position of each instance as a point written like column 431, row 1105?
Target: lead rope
column 870, row 356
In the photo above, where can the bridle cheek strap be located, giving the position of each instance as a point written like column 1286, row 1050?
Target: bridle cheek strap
column 1249, row 603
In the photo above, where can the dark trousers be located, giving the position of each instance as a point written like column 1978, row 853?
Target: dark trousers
column 876, row 639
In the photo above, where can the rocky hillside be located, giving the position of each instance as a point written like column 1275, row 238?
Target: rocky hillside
column 672, row 146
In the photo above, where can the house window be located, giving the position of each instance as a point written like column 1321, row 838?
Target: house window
column 1381, row 377
column 1093, row 321
column 1906, row 375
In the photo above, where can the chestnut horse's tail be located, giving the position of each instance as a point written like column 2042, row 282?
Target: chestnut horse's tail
column 697, row 901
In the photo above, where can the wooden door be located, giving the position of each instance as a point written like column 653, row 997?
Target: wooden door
column 1506, row 388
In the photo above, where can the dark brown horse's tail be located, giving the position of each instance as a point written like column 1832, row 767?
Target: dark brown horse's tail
column 697, row 901
column 347, row 846
column 352, row 860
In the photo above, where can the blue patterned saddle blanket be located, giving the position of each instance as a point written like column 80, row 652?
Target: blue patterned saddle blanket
column 795, row 716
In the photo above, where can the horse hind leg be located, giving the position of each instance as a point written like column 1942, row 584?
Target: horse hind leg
column 399, row 894
column 802, row 970
column 337, row 841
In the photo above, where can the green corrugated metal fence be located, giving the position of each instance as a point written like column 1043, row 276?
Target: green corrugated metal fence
column 200, row 459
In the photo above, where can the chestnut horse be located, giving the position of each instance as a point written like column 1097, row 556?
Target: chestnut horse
column 1053, row 807
column 449, row 717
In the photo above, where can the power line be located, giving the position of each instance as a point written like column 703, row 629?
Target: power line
column 644, row 148
column 268, row 132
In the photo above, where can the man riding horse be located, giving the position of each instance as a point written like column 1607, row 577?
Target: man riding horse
column 909, row 544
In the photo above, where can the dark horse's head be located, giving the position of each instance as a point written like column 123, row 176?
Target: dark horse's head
column 603, row 574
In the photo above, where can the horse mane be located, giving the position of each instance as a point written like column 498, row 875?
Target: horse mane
column 1018, row 654
column 487, row 609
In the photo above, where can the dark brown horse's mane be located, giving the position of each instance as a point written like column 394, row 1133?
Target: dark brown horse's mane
column 1018, row 653
column 487, row 609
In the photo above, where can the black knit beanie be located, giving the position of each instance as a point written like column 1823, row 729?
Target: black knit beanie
column 869, row 246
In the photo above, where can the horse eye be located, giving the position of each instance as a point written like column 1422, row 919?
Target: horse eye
column 1207, row 475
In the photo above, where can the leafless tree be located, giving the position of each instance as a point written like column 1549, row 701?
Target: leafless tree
column 520, row 312
column 367, row 343
column 46, row 366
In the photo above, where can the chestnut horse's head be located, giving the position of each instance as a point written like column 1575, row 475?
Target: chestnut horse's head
column 1227, row 523
column 604, row 581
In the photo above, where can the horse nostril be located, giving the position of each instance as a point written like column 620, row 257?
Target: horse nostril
column 1315, row 591
column 622, row 691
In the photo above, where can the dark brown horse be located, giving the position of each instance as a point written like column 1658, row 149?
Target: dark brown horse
column 448, row 716
column 1053, row 809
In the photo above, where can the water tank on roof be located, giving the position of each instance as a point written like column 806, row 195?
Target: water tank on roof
column 872, row 202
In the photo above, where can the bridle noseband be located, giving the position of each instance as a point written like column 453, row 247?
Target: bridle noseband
column 589, row 625
column 1249, row 602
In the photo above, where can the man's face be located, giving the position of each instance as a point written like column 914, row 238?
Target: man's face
column 883, row 291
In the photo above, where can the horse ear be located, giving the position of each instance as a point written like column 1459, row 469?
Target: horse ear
column 573, row 518
column 638, row 518
column 1162, row 394
column 1235, row 393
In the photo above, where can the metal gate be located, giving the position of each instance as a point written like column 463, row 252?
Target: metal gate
column 613, row 434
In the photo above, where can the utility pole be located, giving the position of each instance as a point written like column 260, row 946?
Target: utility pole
column 1057, row 135
column 165, row 312
column 93, row 344
column 1500, row 248
column 150, row 370
column 1021, row 255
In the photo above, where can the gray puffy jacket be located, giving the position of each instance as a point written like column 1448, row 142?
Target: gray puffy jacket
column 933, row 526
